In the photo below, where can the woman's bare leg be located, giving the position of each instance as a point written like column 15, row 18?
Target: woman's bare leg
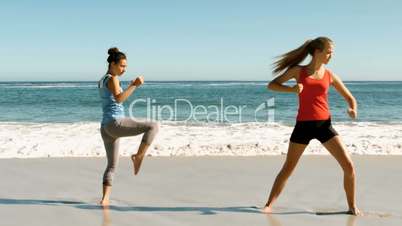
column 337, row 149
column 106, row 195
column 139, row 156
column 295, row 150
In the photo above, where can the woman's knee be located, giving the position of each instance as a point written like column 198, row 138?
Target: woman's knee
column 154, row 126
column 348, row 168
column 286, row 170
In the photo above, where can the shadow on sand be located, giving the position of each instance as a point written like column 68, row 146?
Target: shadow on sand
column 200, row 209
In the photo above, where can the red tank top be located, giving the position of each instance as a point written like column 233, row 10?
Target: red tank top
column 313, row 100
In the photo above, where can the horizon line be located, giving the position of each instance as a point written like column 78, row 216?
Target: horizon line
column 4, row 81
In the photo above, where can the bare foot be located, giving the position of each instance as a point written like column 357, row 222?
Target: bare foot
column 266, row 209
column 104, row 202
column 355, row 211
column 137, row 160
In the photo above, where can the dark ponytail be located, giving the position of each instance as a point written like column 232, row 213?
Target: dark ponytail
column 115, row 55
column 296, row 56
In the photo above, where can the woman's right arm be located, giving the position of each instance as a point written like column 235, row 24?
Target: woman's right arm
column 114, row 87
column 277, row 83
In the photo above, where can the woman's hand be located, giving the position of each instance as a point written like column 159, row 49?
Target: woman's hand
column 298, row 88
column 138, row 81
column 352, row 113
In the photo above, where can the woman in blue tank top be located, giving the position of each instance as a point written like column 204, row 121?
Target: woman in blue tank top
column 114, row 124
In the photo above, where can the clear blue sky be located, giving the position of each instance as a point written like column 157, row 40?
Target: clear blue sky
column 194, row 40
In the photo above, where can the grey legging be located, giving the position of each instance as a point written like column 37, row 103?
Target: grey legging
column 123, row 127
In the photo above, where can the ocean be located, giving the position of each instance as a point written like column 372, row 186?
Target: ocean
column 378, row 101
column 239, row 118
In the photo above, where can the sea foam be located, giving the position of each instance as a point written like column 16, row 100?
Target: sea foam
column 31, row 140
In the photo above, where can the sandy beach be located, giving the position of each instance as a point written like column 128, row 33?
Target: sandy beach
column 197, row 191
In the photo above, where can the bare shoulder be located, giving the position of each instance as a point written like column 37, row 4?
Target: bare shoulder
column 113, row 80
column 290, row 73
column 337, row 82
column 295, row 71
column 114, row 84
column 335, row 79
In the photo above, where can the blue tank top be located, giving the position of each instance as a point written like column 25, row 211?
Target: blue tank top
column 110, row 107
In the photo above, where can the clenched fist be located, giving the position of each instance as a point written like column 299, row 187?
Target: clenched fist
column 138, row 81
column 352, row 113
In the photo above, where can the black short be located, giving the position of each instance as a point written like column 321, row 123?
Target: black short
column 305, row 131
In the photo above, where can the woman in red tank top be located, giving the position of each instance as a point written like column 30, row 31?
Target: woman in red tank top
column 313, row 118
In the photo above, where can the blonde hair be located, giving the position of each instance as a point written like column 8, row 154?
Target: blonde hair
column 296, row 56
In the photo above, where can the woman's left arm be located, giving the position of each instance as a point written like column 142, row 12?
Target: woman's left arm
column 341, row 88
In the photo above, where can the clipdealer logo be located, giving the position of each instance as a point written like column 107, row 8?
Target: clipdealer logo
column 185, row 110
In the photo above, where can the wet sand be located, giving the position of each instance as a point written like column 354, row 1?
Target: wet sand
column 197, row 191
